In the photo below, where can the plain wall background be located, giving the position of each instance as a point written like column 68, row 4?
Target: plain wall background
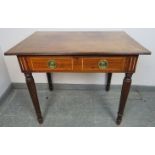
column 4, row 76
column 145, row 74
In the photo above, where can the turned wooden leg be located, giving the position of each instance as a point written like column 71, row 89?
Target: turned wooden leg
column 49, row 78
column 33, row 93
column 124, row 96
column 109, row 75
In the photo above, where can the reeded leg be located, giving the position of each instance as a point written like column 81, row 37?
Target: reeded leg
column 124, row 96
column 49, row 78
column 109, row 75
column 33, row 93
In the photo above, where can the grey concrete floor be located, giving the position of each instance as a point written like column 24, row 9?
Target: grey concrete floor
column 78, row 108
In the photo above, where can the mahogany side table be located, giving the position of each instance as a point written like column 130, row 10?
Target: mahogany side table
column 104, row 52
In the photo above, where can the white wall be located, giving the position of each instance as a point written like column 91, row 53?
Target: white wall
column 4, row 76
column 145, row 74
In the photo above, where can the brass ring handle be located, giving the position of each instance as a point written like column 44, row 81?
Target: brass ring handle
column 52, row 64
column 103, row 64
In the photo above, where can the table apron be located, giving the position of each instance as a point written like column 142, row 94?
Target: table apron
column 98, row 64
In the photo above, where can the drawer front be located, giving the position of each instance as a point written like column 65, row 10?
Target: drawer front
column 104, row 64
column 48, row 63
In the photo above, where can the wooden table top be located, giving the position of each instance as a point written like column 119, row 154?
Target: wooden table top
column 78, row 43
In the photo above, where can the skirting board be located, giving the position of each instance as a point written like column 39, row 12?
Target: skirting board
column 59, row 86
column 8, row 90
column 71, row 87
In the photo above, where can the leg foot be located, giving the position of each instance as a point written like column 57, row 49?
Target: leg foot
column 119, row 119
column 40, row 120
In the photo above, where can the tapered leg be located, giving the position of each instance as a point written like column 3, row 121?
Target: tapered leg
column 49, row 78
column 109, row 75
column 33, row 93
column 124, row 96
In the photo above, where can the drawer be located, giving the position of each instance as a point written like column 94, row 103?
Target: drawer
column 105, row 64
column 50, row 63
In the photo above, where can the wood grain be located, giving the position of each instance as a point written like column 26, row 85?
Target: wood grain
column 78, row 43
